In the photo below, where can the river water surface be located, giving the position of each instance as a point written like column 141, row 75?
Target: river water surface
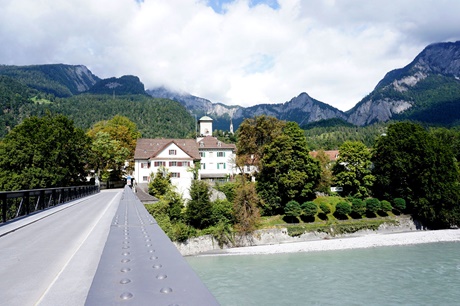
column 424, row 274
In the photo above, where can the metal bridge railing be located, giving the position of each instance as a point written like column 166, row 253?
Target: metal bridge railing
column 15, row 204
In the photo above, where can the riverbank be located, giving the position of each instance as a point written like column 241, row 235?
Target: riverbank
column 278, row 240
column 355, row 242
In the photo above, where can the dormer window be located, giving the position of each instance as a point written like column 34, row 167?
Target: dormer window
column 201, row 144
column 172, row 152
column 219, row 144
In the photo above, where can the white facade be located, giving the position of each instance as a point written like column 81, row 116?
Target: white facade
column 170, row 157
column 217, row 160
column 178, row 156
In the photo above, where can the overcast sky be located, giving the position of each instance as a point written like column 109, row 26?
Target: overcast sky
column 235, row 52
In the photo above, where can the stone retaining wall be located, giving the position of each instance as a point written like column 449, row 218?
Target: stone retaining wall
column 207, row 244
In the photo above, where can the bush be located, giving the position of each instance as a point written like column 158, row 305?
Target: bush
column 385, row 206
column 358, row 207
column 292, row 209
column 309, row 209
column 222, row 211
column 372, row 205
column 229, row 189
column 222, row 232
column 175, row 203
column 343, row 209
column 325, row 208
column 181, row 232
column 399, row 204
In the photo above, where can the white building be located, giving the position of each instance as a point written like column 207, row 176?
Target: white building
column 177, row 156
column 217, row 159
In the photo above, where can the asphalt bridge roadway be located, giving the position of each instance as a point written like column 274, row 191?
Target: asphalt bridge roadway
column 104, row 249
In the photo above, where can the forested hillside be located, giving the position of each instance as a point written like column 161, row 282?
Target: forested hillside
column 58, row 79
column 78, row 94
column 154, row 117
column 331, row 134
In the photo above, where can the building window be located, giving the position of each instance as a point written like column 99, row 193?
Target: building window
column 145, row 178
column 248, row 168
column 145, row 165
column 175, row 174
column 203, row 166
column 201, row 144
column 159, row 164
column 220, row 165
column 173, row 164
column 202, row 154
column 172, row 152
column 183, row 164
column 220, row 154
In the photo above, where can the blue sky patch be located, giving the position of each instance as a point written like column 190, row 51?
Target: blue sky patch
column 260, row 63
column 219, row 5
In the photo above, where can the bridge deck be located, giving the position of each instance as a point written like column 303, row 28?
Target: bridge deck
column 101, row 250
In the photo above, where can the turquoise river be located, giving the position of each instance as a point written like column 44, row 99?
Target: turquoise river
column 424, row 274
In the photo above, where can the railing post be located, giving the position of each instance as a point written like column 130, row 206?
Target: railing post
column 4, row 208
column 27, row 202
column 41, row 203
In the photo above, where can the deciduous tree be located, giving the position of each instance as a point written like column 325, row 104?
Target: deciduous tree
column 43, row 152
column 288, row 171
column 353, row 169
column 246, row 207
column 412, row 164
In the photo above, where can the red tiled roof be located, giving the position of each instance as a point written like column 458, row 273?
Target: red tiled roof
column 332, row 154
column 210, row 142
column 147, row 148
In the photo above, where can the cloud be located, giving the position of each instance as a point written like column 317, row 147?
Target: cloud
column 234, row 51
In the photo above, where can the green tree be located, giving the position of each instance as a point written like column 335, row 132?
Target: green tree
column 342, row 209
column 160, row 183
column 107, row 154
column 222, row 211
column 352, row 169
column 175, row 204
column 326, row 178
column 325, row 208
column 114, row 142
column 372, row 205
column 246, row 207
column 254, row 134
column 399, row 204
column 412, row 164
column 119, row 128
column 292, row 209
column 43, row 152
column 385, row 206
column 288, row 171
column 199, row 207
column 358, row 207
column 310, row 209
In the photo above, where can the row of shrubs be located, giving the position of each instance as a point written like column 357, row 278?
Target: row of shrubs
column 353, row 207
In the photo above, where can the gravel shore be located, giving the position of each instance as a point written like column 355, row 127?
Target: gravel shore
column 365, row 241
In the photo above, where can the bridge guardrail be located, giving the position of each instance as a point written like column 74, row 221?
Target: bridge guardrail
column 15, row 204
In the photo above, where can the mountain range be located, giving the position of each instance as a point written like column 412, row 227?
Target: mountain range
column 426, row 90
